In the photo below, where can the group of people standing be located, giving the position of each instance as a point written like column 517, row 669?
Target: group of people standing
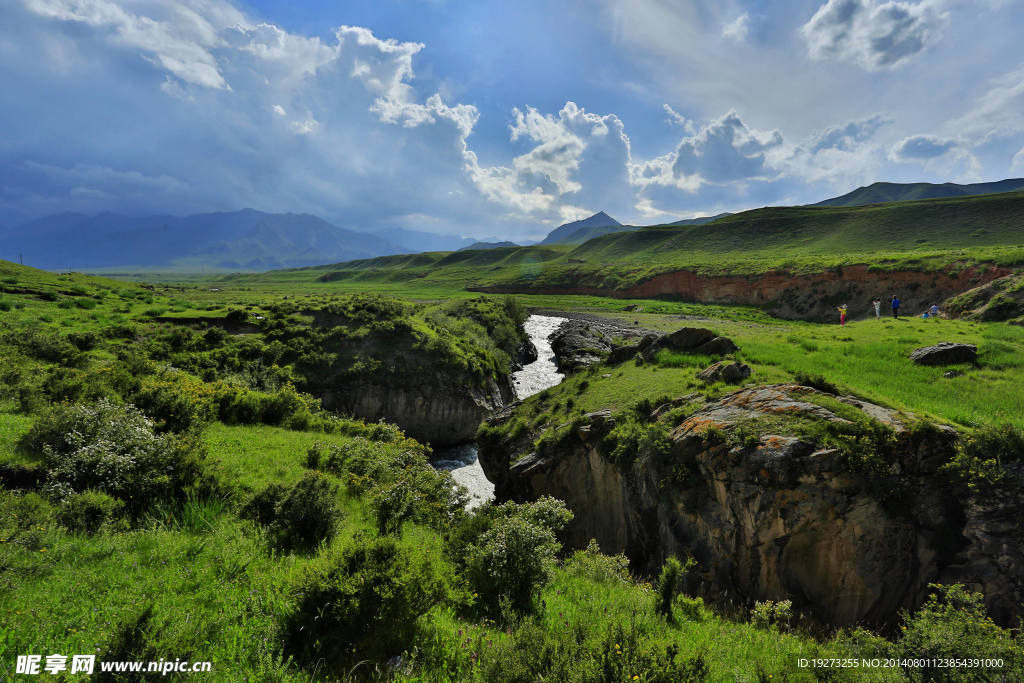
column 894, row 303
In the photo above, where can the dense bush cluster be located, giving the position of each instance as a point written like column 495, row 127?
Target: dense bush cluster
column 112, row 449
column 508, row 551
column 396, row 478
column 302, row 516
column 364, row 602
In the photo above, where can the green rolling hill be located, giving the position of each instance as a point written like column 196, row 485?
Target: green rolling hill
column 915, row 235
column 877, row 193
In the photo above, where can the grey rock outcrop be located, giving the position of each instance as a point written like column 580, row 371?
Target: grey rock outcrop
column 691, row 340
column 724, row 371
column 945, row 353
column 579, row 343
column 774, row 514
column 432, row 410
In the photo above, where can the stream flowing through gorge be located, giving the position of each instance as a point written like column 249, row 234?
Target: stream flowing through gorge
column 462, row 460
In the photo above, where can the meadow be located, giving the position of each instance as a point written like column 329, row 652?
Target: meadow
column 221, row 562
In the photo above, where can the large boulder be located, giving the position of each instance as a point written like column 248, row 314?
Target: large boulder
column 945, row 353
column 732, row 373
column 579, row 343
column 690, row 340
column 687, row 338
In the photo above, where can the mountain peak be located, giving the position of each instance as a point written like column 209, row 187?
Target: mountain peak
column 563, row 232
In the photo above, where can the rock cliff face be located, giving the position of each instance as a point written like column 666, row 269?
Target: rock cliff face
column 775, row 515
column 432, row 410
column 812, row 296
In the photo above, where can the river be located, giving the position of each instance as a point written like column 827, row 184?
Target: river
column 462, row 461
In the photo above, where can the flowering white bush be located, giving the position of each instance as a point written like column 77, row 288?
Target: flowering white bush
column 110, row 448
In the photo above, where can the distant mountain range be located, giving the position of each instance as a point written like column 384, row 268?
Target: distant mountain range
column 236, row 240
column 415, row 241
column 488, row 245
column 255, row 241
column 877, row 193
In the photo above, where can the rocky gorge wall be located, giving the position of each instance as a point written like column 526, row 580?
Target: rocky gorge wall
column 432, row 409
column 777, row 516
column 812, row 296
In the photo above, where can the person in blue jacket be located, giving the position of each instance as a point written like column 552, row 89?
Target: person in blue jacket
column 895, row 307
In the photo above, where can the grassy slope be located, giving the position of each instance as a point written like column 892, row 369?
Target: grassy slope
column 868, row 358
column 925, row 234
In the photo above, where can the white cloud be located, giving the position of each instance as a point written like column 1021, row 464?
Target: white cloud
column 1018, row 160
column 839, row 155
column 305, row 127
column 999, row 111
column 575, row 156
column 725, row 150
column 935, row 152
column 279, row 110
column 174, row 37
column 921, row 148
column 874, row 34
column 738, row 29
column 677, row 119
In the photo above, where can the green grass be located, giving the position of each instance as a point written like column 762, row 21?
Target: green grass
column 192, row 580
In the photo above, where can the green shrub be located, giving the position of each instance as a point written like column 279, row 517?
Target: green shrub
column 623, row 654
column 593, row 565
column 630, row 440
column 953, row 623
column 982, row 456
column 89, row 511
column 513, row 557
column 308, row 513
column 176, row 401
column 84, row 341
column 112, row 449
column 669, row 583
column 364, row 603
column 262, row 507
column 815, row 382
column 772, row 615
column 422, row 495
column 46, row 345
column 691, row 609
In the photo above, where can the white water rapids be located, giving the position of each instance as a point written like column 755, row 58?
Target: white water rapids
column 462, row 461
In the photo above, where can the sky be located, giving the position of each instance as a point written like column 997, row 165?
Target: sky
column 498, row 119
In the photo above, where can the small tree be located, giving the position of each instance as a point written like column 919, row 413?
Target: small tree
column 513, row 557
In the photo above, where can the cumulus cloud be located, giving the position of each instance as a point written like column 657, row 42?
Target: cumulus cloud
column 576, row 165
column 177, row 37
column 724, row 150
column 677, row 119
column 839, row 155
column 281, row 122
column 921, row 148
column 935, row 152
column 876, row 35
column 738, row 29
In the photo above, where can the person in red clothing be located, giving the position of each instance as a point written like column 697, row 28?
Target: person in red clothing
column 842, row 314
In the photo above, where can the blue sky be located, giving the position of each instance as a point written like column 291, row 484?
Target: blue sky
column 498, row 119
